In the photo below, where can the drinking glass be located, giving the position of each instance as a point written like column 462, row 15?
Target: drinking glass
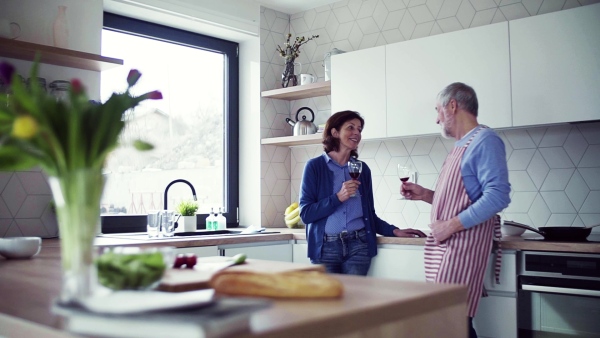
column 354, row 168
column 405, row 173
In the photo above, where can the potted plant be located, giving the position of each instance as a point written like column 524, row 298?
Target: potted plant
column 187, row 209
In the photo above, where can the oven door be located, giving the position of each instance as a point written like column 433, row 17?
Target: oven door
column 559, row 293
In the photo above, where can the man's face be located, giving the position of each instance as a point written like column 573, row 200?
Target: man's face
column 443, row 119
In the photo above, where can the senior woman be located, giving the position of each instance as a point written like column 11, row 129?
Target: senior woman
column 339, row 213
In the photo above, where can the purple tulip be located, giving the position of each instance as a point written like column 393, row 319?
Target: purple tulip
column 155, row 95
column 6, row 72
column 133, row 76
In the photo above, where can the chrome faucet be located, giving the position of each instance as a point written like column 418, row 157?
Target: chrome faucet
column 182, row 181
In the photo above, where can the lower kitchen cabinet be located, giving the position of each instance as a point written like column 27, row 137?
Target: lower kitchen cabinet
column 403, row 262
column 300, row 252
column 497, row 314
column 271, row 251
column 200, row 251
column 496, row 317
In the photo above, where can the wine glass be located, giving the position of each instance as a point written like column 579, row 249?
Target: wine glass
column 405, row 172
column 354, row 169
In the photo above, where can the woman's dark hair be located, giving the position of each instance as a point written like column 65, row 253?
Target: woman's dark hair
column 336, row 121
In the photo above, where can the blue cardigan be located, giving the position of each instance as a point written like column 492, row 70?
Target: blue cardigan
column 317, row 202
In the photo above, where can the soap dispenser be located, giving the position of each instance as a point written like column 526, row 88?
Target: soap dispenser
column 221, row 221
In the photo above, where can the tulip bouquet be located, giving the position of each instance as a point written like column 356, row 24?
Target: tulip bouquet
column 59, row 136
column 70, row 140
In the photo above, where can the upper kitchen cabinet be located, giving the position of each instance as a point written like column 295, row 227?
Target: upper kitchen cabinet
column 417, row 70
column 358, row 83
column 555, row 60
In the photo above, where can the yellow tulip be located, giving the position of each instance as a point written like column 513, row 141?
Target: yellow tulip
column 25, row 127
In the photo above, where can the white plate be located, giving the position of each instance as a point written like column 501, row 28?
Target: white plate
column 129, row 302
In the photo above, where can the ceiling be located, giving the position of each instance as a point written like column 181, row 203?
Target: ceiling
column 294, row 6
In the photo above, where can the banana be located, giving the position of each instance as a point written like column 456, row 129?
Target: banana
column 293, row 214
column 291, row 208
column 292, row 222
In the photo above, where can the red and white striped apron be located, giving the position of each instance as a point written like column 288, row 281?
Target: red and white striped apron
column 463, row 257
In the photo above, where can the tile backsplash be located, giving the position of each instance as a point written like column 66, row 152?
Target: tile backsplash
column 554, row 174
column 350, row 25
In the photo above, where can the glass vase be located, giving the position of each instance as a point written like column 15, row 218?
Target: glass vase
column 77, row 198
column 288, row 78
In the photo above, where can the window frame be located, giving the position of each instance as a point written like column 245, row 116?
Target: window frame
column 137, row 223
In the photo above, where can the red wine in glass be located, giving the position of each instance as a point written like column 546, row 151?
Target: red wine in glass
column 404, row 173
column 354, row 169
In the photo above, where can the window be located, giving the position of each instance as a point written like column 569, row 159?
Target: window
column 194, row 128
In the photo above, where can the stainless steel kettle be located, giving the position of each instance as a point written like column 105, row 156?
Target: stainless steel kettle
column 304, row 126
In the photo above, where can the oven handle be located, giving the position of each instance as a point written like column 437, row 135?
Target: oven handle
column 568, row 291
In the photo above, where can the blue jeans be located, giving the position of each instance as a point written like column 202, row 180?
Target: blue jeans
column 345, row 253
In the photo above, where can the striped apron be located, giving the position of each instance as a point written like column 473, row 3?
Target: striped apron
column 462, row 258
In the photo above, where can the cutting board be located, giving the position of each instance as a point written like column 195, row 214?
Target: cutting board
column 179, row 280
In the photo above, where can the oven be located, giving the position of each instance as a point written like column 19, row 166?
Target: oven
column 559, row 293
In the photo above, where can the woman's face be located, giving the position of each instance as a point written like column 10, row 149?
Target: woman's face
column 349, row 134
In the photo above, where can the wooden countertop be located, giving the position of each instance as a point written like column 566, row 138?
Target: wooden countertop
column 369, row 305
column 529, row 241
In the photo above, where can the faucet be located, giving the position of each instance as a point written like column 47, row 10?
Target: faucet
column 182, row 181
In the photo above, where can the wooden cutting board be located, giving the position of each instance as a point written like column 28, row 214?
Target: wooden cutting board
column 179, row 280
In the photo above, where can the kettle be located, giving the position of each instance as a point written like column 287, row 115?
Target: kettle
column 303, row 127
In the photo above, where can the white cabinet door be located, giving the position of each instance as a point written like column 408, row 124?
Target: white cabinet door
column 403, row 262
column 281, row 252
column 358, row 83
column 496, row 317
column 555, row 66
column 497, row 314
column 300, row 253
column 417, row 70
column 508, row 273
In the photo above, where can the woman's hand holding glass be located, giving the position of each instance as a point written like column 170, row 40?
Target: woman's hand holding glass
column 348, row 190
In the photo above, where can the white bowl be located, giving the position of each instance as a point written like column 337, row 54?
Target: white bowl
column 509, row 230
column 20, row 247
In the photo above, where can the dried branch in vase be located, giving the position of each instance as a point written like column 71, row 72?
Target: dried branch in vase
column 292, row 51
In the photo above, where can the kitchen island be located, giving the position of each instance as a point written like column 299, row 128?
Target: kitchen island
column 370, row 307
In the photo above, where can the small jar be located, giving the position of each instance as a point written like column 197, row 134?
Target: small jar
column 40, row 81
column 60, row 89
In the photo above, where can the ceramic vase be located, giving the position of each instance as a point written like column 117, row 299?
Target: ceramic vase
column 60, row 28
column 77, row 197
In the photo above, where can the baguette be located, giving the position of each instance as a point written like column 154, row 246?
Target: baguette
column 296, row 284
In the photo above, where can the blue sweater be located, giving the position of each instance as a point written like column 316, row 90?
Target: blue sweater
column 485, row 176
column 317, row 202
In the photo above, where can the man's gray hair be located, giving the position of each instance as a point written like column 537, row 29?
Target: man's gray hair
column 464, row 96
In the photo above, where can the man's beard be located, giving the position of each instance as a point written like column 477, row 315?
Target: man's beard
column 444, row 131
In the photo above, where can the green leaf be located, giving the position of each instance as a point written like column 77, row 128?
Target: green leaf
column 142, row 145
column 13, row 158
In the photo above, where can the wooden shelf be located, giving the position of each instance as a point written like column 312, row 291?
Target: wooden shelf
column 56, row 56
column 294, row 140
column 299, row 92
